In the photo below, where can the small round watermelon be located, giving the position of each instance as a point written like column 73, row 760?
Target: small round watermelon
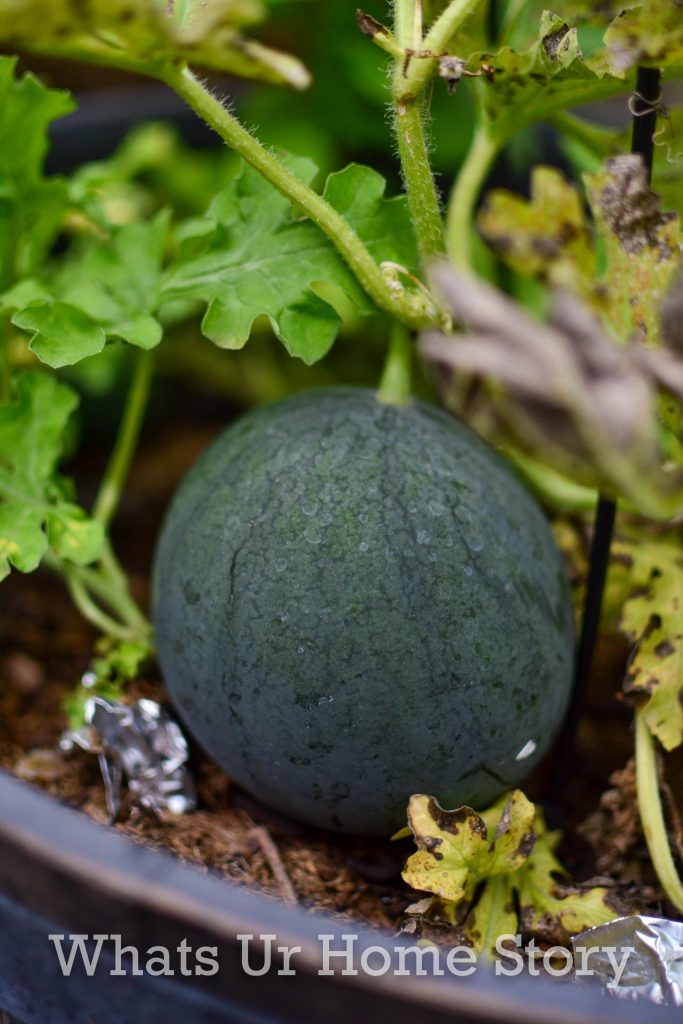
column 356, row 601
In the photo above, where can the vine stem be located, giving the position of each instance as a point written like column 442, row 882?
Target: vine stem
column 466, row 190
column 85, row 585
column 423, row 199
column 118, row 467
column 422, row 69
column 409, row 126
column 213, row 112
column 395, row 385
column 652, row 813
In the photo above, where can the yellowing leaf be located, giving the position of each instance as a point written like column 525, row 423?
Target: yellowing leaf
column 547, row 237
column 493, row 915
column 549, row 908
column 642, row 246
column 151, row 33
column 650, row 32
column 506, row 856
column 460, row 848
column 652, row 618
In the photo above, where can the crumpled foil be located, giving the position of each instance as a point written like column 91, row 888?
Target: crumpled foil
column 141, row 745
column 653, row 967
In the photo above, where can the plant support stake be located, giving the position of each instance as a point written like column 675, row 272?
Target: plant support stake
column 644, row 108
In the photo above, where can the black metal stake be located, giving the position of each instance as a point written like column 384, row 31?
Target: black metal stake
column 644, row 109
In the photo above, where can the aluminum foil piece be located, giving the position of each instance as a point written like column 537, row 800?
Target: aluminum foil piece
column 141, row 745
column 633, row 957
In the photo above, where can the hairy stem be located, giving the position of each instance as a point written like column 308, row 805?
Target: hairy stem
column 466, row 191
column 423, row 199
column 422, row 69
column 395, row 385
column 340, row 233
column 119, row 464
column 652, row 814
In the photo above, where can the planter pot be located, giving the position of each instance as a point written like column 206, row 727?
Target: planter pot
column 61, row 874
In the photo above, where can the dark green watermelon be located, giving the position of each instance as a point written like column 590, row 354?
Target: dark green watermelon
column 354, row 602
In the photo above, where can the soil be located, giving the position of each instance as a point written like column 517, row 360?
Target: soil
column 45, row 647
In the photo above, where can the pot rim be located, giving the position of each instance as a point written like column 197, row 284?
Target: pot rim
column 40, row 830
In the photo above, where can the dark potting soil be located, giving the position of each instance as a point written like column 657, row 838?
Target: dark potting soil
column 45, row 647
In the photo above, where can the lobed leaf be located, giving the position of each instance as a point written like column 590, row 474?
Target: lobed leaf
column 459, row 849
column 35, row 512
column 254, row 256
column 551, row 909
column 31, row 205
column 106, row 288
column 482, row 867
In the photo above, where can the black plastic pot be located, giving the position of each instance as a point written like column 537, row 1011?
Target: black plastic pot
column 62, row 874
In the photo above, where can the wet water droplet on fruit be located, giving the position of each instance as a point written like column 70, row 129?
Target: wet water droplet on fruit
column 313, row 535
column 301, row 650
column 363, row 546
column 309, row 508
column 362, row 518
column 422, row 537
column 280, row 564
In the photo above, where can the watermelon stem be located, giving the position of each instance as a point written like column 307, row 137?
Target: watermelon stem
column 395, row 384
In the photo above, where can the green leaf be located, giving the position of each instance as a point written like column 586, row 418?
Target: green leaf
column 34, row 511
column 254, row 256
column 31, row 206
column 652, row 619
column 61, row 334
column 551, row 74
column 151, row 33
column 106, row 288
column 117, row 663
column 505, row 855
